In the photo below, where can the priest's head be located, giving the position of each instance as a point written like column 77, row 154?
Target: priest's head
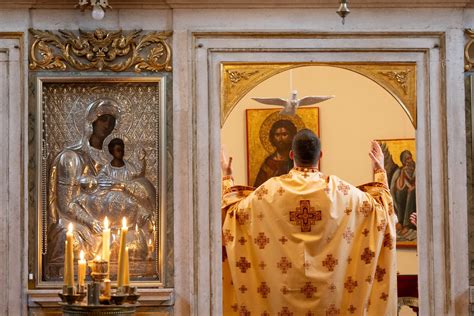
column 306, row 149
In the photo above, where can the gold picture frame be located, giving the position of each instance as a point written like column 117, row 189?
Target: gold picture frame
column 261, row 123
column 400, row 164
column 64, row 105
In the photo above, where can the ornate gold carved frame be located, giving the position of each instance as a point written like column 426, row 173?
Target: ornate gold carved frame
column 399, row 79
column 43, row 160
column 106, row 59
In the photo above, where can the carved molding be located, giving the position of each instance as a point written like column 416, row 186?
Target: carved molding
column 232, row 4
column 239, row 79
column 100, row 50
column 399, row 79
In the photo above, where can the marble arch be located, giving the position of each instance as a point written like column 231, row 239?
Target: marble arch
column 443, row 280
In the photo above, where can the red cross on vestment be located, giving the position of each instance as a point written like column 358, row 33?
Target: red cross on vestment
column 305, row 216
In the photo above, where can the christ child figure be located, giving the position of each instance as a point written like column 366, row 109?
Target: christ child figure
column 120, row 170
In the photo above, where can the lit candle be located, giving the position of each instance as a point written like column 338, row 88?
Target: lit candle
column 150, row 246
column 121, row 260
column 65, row 277
column 69, row 268
column 126, row 278
column 106, row 243
column 107, row 288
column 81, row 269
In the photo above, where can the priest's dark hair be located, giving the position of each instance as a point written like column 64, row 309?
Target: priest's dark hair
column 306, row 148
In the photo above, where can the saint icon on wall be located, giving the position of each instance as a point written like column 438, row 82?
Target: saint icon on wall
column 269, row 138
column 400, row 156
column 101, row 159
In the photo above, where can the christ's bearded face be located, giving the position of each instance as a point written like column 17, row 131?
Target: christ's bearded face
column 282, row 139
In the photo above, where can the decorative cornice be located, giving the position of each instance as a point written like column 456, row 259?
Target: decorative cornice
column 399, row 79
column 100, row 50
column 233, row 4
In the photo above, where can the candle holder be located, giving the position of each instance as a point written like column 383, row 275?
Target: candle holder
column 81, row 289
column 133, row 295
column 123, row 290
column 93, row 293
column 118, row 298
column 70, row 296
column 99, row 269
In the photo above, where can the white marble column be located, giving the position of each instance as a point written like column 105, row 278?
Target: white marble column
column 12, row 212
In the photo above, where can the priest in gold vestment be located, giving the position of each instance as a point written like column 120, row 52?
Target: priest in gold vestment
column 306, row 243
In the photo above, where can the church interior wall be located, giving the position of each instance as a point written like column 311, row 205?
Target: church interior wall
column 192, row 281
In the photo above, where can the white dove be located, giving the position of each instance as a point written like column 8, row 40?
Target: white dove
column 291, row 104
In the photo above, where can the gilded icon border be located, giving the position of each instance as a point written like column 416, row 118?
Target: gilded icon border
column 393, row 148
column 38, row 169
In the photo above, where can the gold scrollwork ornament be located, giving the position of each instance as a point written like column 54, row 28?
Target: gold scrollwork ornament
column 100, row 50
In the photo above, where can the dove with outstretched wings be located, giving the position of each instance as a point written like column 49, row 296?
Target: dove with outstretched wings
column 290, row 105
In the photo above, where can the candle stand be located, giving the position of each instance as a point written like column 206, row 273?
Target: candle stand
column 100, row 300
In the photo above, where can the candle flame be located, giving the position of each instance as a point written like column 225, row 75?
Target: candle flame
column 149, row 242
column 124, row 222
column 70, row 228
column 136, row 227
column 81, row 255
column 106, row 223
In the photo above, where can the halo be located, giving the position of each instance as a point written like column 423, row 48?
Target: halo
column 82, row 117
column 103, row 106
column 129, row 146
column 270, row 120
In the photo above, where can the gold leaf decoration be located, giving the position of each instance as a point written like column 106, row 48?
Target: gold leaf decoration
column 100, row 50
column 400, row 77
column 236, row 76
column 469, row 50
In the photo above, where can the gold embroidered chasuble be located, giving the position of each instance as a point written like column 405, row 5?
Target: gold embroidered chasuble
column 309, row 244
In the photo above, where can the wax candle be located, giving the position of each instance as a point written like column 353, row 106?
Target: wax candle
column 106, row 243
column 126, row 278
column 81, row 269
column 106, row 240
column 107, row 288
column 150, row 246
column 65, row 263
column 121, row 263
column 69, row 268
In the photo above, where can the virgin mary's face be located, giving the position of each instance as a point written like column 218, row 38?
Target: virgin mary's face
column 103, row 125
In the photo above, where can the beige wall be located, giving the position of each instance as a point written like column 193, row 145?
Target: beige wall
column 361, row 111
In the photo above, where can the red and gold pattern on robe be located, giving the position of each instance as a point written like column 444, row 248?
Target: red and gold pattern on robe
column 309, row 244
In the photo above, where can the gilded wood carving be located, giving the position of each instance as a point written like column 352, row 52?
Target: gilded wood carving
column 399, row 79
column 100, row 50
